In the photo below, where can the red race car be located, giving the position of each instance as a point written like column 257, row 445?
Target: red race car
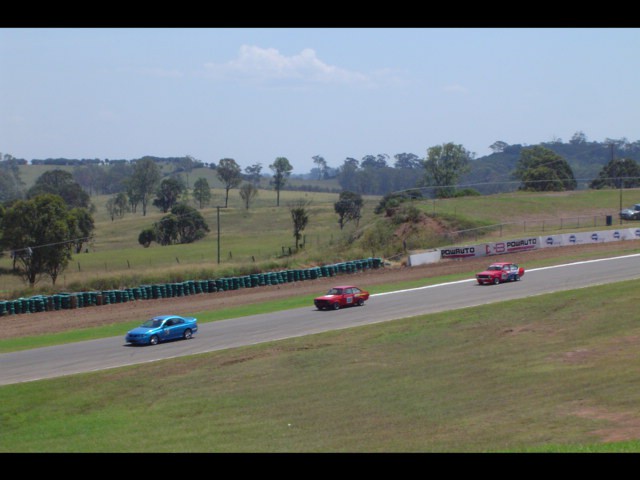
column 341, row 296
column 500, row 272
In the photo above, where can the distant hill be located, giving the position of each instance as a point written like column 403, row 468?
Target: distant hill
column 489, row 174
column 493, row 173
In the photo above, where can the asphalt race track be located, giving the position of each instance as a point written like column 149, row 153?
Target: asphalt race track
column 50, row 362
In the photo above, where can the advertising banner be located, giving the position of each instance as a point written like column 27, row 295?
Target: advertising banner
column 551, row 241
column 529, row 243
column 469, row 251
column 511, row 246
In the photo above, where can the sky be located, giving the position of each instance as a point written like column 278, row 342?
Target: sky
column 256, row 94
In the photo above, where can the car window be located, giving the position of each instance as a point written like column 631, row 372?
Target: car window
column 178, row 321
column 349, row 291
column 335, row 291
column 153, row 323
column 169, row 323
column 356, row 290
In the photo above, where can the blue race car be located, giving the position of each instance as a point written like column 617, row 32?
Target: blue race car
column 163, row 328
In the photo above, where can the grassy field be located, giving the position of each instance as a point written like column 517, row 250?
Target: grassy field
column 254, row 240
column 561, row 376
column 261, row 238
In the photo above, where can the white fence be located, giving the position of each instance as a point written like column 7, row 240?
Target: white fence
column 524, row 244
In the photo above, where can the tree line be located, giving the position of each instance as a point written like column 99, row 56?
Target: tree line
column 42, row 226
column 371, row 175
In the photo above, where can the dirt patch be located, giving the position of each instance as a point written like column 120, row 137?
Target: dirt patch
column 578, row 356
column 622, row 425
column 13, row 326
column 518, row 330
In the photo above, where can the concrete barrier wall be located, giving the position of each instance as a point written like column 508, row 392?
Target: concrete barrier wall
column 432, row 256
column 524, row 244
column 583, row 238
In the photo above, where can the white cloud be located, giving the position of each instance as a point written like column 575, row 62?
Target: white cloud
column 268, row 64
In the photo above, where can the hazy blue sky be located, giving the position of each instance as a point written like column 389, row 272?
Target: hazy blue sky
column 255, row 94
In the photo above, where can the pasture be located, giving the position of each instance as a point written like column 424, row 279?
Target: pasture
column 260, row 238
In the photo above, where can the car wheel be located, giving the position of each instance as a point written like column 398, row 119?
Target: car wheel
column 496, row 281
column 153, row 340
column 360, row 302
column 336, row 306
column 516, row 278
column 187, row 334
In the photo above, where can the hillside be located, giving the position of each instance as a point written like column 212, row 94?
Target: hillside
column 493, row 173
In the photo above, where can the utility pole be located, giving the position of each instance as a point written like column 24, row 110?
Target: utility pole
column 218, row 209
column 618, row 166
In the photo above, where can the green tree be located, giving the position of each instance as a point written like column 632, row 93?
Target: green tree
column 89, row 177
column 62, row 183
column 321, row 166
column 39, row 231
column 191, row 224
column 117, row 205
column 248, row 192
column 229, row 173
column 83, row 227
column 578, row 138
column 348, row 207
column 147, row 236
column 622, row 173
column 542, row 170
column 111, row 208
column 168, row 194
column 300, row 218
column 444, row 165
column 165, row 231
column 121, row 204
column 116, row 177
column 133, row 196
column 11, row 185
column 498, row 146
column 253, row 173
column 186, row 165
column 202, row 192
column 374, row 161
column 143, row 183
column 379, row 238
column 281, row 170
column 183, row 225
column 348, row 175
column 407, row 161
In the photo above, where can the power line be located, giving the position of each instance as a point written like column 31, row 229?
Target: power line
column 33, row 247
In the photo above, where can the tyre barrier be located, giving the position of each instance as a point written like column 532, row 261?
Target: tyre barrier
column 63, row 301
